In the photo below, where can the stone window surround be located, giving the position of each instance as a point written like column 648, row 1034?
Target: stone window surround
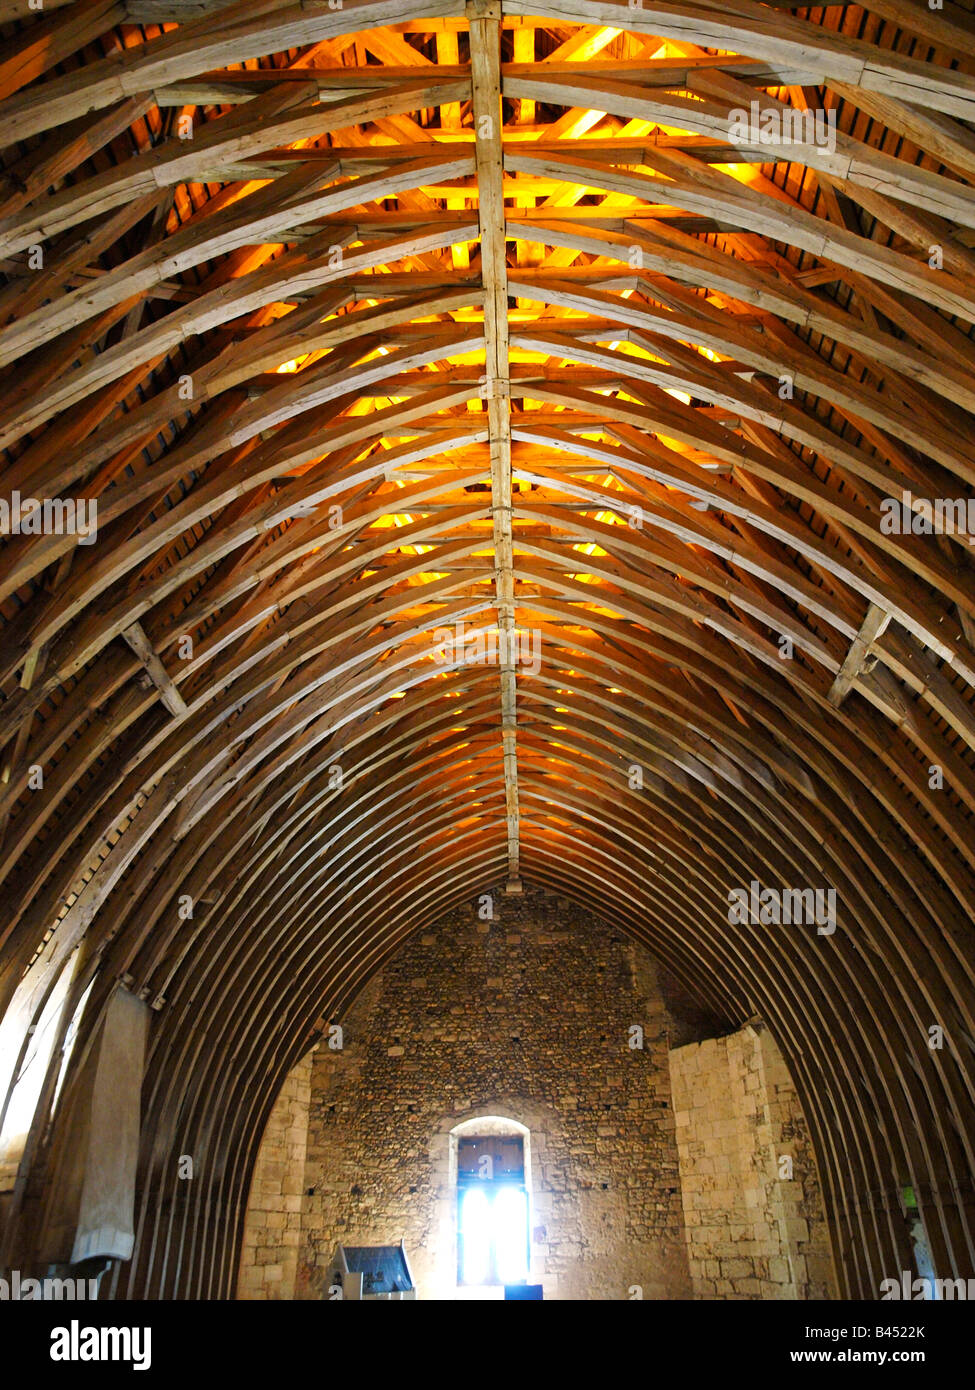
column 496, row 1117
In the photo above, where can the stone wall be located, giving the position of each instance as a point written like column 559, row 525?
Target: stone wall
column 752, row 1230
column 652, row 1166
column 269, row 1257
column 527, row 1016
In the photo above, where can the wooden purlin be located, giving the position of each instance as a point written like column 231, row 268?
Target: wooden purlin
column 485, row 30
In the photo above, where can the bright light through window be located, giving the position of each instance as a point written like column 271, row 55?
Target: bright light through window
column 31, row 1071
column 511, row 1234
column 494, row 1233
column 492, row 1208
column 476, row 1231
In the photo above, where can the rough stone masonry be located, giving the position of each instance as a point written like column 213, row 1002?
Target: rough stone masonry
column 530, row 1017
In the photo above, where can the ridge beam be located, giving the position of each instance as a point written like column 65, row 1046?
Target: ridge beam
column 484, row 18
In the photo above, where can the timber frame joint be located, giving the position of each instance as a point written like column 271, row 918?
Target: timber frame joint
column 858, row 660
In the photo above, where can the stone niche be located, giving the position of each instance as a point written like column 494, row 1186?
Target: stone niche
column 542, row 1021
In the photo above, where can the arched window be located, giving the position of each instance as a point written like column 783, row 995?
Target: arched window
column 492, row 1205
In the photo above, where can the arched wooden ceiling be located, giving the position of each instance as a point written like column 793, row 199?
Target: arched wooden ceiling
column 358, row 326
